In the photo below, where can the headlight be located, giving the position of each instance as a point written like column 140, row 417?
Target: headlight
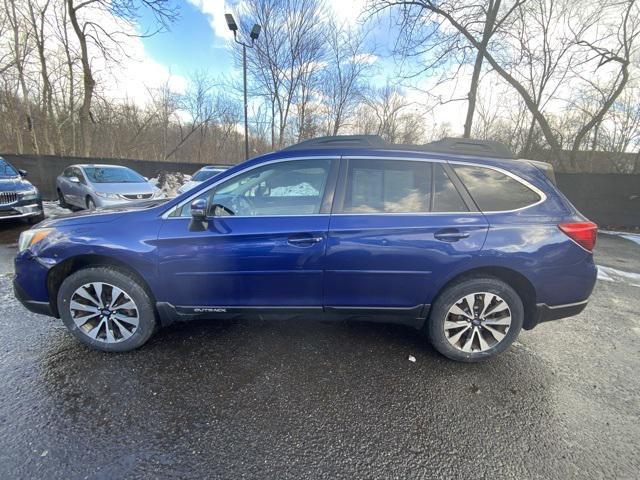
column 31, row 194
column 31, row 237
column 110, row 196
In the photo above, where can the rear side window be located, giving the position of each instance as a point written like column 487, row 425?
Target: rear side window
column 387, row 186
column 445, row 195
column 494, row 191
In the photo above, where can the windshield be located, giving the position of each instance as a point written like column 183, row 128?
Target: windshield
column 112, row 175
column 6, row 170
column 202, row 175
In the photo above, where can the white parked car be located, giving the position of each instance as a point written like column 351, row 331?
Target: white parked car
column 205, row 173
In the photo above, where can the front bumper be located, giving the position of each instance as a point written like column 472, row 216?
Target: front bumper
column 109, row 202
column 43, row 308
column 21, row 209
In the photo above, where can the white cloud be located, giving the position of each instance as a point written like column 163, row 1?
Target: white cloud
column 347, row 11
column 214, row 10
column 136, row 72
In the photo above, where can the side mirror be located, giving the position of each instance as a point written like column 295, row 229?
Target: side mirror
column 23, row 173
column 74, row 179
column 199, row 209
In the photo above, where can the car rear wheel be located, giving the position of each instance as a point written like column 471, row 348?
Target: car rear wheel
column 107, row 309
column 475, row 319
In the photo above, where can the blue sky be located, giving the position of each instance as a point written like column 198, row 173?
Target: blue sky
column 190, row 45
column 199, row 41
column 196, row 42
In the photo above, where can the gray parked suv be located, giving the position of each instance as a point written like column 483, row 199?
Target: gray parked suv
column 97, row 186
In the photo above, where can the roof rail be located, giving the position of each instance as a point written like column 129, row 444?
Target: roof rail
column 341, row 141
column 469, row 146
column 460, row 146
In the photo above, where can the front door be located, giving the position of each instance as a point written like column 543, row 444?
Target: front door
column 397, row 225
column 262, row 245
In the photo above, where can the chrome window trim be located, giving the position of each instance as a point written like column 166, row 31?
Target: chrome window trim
column 166, row 214
column 540, row 193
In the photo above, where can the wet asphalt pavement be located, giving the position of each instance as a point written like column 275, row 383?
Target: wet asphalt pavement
column 270, row 399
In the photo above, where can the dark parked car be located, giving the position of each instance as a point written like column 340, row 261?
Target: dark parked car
column 18, row 197
column 455, row 238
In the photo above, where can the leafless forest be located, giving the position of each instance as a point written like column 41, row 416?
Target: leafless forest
column 554, row 75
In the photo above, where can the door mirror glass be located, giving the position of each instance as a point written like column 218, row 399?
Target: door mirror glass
column 199, row 209
column 23, row 173
column 74, row 179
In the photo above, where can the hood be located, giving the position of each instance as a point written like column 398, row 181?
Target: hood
column 14, row 184
column 101, row 215
column 123, row 188
column 188, row 186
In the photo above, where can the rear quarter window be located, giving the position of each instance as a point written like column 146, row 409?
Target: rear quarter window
column 493, row 191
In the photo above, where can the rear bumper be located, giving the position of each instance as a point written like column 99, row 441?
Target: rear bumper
column 546, row 313
column 43, row 308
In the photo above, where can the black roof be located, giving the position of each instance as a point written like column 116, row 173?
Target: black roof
column 460, row 146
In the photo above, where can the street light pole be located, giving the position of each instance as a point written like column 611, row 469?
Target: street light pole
column 255, row 33
column 246, row 121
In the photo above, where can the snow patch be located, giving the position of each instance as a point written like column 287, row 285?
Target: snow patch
column 170, row 182
column 301, row 190
column 53, row 210
column 610, row 274
column 634, row 237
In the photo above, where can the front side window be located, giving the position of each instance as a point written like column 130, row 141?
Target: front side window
column 387, row 186
column 493, row 191
column 285, row 188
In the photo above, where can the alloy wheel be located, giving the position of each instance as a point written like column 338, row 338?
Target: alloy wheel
column 477, row 322
column 104, row 312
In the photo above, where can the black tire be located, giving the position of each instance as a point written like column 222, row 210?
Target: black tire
column 147, row 323
column 445, row 301
column 91, row 205
column 61, row 201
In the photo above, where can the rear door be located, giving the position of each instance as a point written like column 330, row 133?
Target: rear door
column 396, row 225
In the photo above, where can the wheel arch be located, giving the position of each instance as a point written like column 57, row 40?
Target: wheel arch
column 57, row 274
column 521, row 284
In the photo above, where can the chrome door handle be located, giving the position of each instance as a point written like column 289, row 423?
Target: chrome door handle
column 304, row 240
column 450, row 235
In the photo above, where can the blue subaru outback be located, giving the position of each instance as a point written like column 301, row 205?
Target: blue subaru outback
column 456, row 238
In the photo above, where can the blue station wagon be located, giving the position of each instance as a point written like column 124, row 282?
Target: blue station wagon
column 455, row 238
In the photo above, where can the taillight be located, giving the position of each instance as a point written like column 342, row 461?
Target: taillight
column 583, row 233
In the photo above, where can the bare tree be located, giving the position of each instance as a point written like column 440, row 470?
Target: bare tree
column 21, row 49
column 90, row 33
column 613, row 47
column 343, row 79
column 286, row 56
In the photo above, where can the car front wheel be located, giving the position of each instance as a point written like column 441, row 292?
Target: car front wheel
column 107, row 309
column 61, row 201
column 475, row 319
